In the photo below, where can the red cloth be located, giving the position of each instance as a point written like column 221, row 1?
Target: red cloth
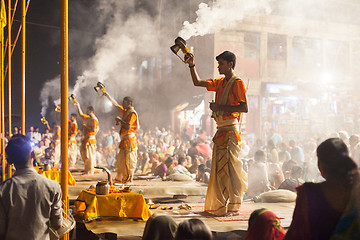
column 204, row 150
column 266, row 226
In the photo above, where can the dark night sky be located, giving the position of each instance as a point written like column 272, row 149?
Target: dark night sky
column 43, row 50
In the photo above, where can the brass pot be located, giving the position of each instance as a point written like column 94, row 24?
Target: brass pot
column 47, row 167
column 102, row 188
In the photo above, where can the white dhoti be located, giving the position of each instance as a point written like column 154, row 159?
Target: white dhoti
column 88, row 155
column 72, row 153
column 57, row 154
column 228, row 180
column 126, row 165
column 126, row 159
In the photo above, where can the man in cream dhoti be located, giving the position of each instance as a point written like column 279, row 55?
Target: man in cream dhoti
column 88, row 144
column 228, row 181
column 72, row 152
column 127, row 156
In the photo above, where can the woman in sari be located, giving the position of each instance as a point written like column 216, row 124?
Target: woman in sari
column 319, row 206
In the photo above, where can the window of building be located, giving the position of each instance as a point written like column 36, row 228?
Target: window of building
column 251, row 45
column 276, row 47
column 306, row 53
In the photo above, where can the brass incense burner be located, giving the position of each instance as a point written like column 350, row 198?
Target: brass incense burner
column 100, row 87
column 72, row 98
column 180, row 44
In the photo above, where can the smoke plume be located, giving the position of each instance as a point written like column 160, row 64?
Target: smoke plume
column 222, row 14
column 128, row 31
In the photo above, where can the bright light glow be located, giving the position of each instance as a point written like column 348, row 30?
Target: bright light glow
column 326, row 78
column 107, row 105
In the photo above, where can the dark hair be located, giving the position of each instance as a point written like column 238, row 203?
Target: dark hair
column 169, row 160
column 18, row 150
column 227, row 56
column 128, row 99
column 74, row 115
column 160, row 227
column 192, row 229
column 90, row 108
column 334, row 155
column 181, row 160
column 201, row 168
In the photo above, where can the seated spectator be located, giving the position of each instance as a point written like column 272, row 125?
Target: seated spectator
column 181, row 169
column 258, row 176
column 193, row 229
column 161, row 170
column 159, row 228
column 276, row 176
column 284, row 154
column 154, row 161
column 202, row 175
column 294, row 181
column 287, row 166
column 273, row 155
column 264, row 225
column 319, row 206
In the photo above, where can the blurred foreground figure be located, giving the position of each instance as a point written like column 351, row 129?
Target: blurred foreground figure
column 160, row 227
column 319, row 206
column 264, row 225
column 29, row 202
column 228, row 180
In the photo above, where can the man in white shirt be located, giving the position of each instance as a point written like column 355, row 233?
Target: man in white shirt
column 181, row 169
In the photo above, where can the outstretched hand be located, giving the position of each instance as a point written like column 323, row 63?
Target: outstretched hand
column 190, row 59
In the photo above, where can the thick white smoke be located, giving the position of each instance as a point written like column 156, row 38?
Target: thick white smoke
column 128, row 35
column 222, row 14
column 50, row 90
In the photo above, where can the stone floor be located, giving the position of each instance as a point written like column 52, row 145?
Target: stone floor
column 170, row 193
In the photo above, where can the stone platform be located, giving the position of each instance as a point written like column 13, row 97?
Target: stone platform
column 172, row 194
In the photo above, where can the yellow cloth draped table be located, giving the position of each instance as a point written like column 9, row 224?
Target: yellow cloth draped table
column 55, row 175
column 122, row 206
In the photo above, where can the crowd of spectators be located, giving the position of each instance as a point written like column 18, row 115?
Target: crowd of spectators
column 271, row 162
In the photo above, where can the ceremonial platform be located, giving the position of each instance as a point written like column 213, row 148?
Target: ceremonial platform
column 168, row 196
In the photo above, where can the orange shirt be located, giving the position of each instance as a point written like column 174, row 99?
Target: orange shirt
column 133, row 121
column 236, row 95
column 73, row 127
column 90, row 129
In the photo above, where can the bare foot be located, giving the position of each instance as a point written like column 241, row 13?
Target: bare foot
column 231, row 213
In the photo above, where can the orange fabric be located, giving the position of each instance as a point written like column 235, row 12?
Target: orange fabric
column 131, row 119
column 91, row 123
column 130, row 143
column 127, row 205
column 55, row 174
column 266, row 226
column 73, row 127
column 236, row 95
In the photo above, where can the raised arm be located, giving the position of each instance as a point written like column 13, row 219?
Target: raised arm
column 113, row 101
column 194, row 75
column 77, row 104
